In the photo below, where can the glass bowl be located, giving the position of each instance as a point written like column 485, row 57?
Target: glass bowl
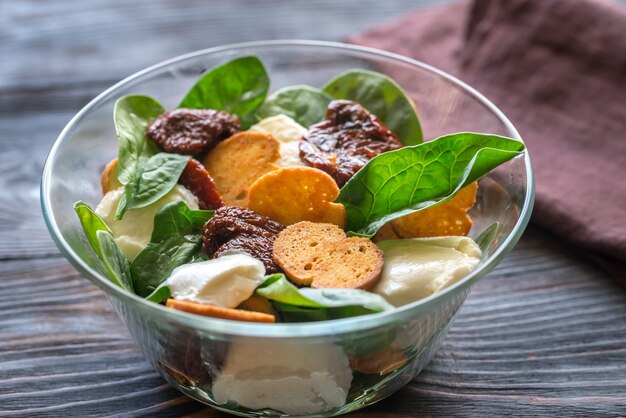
column 315, row 369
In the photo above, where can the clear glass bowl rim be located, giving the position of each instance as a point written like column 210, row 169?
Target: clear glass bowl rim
column 292, row 330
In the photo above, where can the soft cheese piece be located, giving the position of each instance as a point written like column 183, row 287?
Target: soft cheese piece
column 417, row 268
column 225, row 281
column 288, row 132
column 132, row 233
column 288, row 376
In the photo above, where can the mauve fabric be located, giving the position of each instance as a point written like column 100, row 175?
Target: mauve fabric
column 557, row 69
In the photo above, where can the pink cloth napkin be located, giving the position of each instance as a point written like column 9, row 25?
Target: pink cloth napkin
column 557, row 69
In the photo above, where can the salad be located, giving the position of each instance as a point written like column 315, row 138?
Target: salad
column 308, row 204
column 304, row 205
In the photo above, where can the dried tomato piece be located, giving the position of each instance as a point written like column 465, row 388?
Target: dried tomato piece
column 256, row 246
column 235, row 228
column 192, row 131
column 221, row 228
column 346, row 140
column 200, row 183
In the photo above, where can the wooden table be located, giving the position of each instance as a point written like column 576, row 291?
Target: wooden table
column 543, row 334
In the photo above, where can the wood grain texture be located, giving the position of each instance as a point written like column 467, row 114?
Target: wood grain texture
column 73, row 38
column 543, row 335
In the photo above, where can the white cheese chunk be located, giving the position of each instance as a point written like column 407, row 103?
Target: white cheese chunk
column 417, row 268
column 132, row 233
column 225, row 281
column 288, row 132
column 288, row 376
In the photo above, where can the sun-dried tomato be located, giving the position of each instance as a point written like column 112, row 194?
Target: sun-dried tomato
column 235, row 228
column 192, row 131
column 256, row 246
column 346, row 140
column 201, row 184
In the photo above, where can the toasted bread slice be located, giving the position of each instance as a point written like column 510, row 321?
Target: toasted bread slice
column 293, row 194
column 239, row 161
column 354, row 263
column 108, row 179
column 433, row 222
column 297, row 246
column 320, row 255
column 385, row 233
column 256, row 303
column 219, row 312
column 449, row 218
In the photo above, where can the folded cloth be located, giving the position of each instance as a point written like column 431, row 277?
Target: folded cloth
column 557, row 69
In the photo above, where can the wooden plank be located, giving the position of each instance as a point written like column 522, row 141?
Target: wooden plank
column 68, row 41
column 27, row 138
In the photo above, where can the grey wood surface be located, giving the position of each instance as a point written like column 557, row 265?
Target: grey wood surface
column 543, row 335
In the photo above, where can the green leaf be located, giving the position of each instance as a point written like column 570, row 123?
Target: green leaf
column 176, row 240
column 383, row 97
column 298, row 305
column 306, row 105
column 101, row 240
column 238, row 86
column 132, row 115
column 335, row 298
column 403, row 181
column 277, row 288
column 91, row 223
column 486, row 237
column 292, row 313
column 114, row 261
column 159, row 175
column 160, row 294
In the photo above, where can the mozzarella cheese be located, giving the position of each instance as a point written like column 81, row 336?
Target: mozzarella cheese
column 417, row 268
column 132, row 233
column 285, row 375
column 288, row 132
column 225, row 281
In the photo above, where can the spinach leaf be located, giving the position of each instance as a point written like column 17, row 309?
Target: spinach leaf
column 403, row 181
column 292, row 313
column 383, row 97
column 101, row 240
column 132, row 115
column 159, row 174
column 306, row 105
column 297, row 305
column 176, row 240
column 160, row 294
column 238, row 86
column 334, row 298
column 114, row 261
column 277, row 288
column 486, row 237
column 91, row 223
